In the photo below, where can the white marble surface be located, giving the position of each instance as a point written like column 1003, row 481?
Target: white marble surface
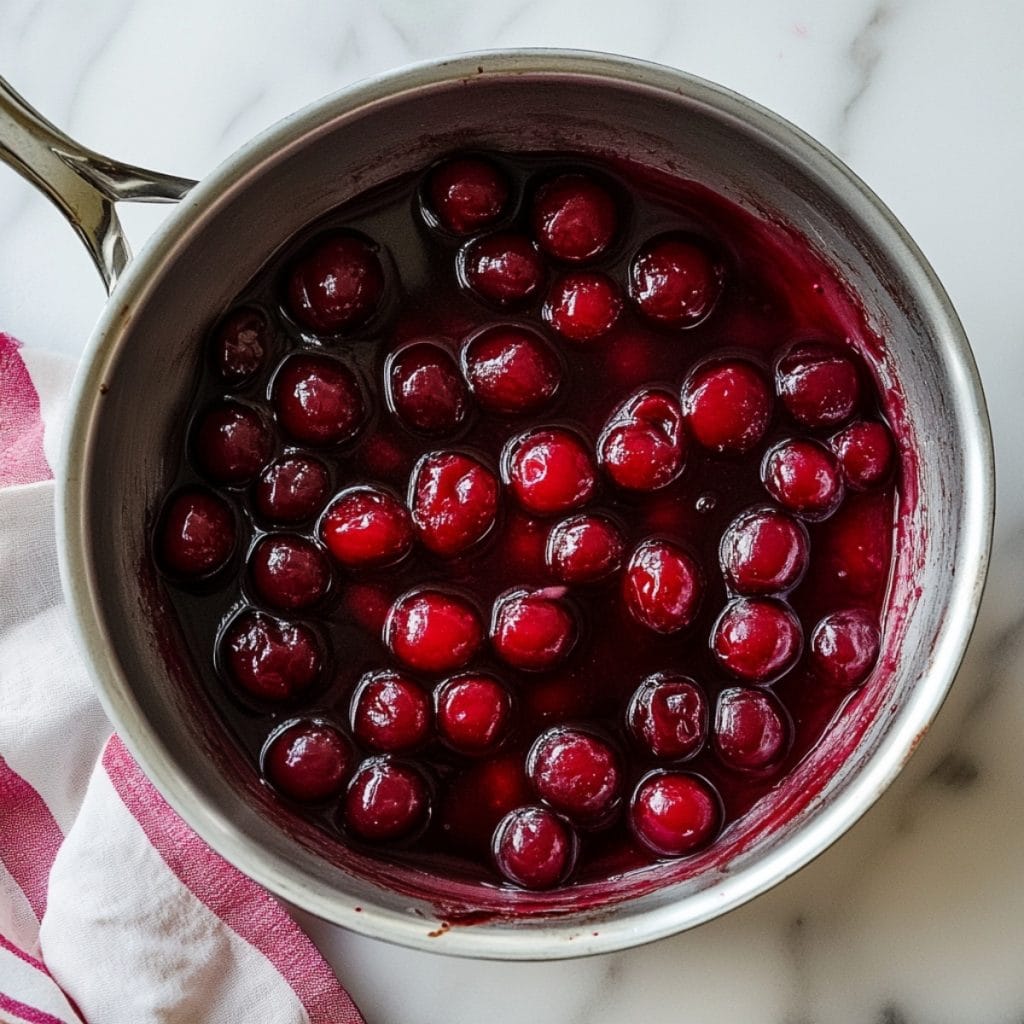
column 917, row 915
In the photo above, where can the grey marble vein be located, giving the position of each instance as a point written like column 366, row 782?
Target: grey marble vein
column 864, row 52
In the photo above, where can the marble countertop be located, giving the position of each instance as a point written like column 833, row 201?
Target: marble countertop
column 917, row 915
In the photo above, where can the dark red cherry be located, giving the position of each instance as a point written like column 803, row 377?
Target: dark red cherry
column 389, row 712
column 750, row 729
column 318, row 400
column 642, row 446
column 549, row 471
column 433, row 631
column 523, row 544
column 336, row 284
column 308, row 761
column 727, row 406
column 368, row 605
column 466, row 194
column 854, row 549
column 668, row 716
column 672, row 813
column 803, row 476
column 533, row 630
column 230, row 443
column 662, row 586
column 239, row 345
column 197, row 534
column 584, row 549
column 511, row 369
column 473, row 712
column 583, row 306
column 757, row 639
column 425, row 388
column 764, row 551
column 818, row 385
column 271, row 659
column 454, row 499
column 866, row 454
column 367, row 526
column 289, row 572
column 504, row 269
column 576, row 773
column 479, row 796
column 844, row 647
column 291, row 490
column 386, row 801
column 675, row 281
column 574, row 218
column 534, row 848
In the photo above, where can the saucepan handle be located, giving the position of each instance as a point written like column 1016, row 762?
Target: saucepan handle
column 83, row 184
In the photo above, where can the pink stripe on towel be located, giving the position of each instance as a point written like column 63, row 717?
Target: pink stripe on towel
column 22, row 460
column 26, row 1012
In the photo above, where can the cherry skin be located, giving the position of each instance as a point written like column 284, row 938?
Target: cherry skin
column 433, row 631
column 454, row 500
column 291, row 490
column 289, row 572
column 577, row 774
column 583, row 306
column 573, row 218
column 197, row 534
column 668, row 716
column 727, row 406
column 467, row 194
column 764, row 551
column 642, row 446
column 675, row 281
column 390, row 713
column 336, row 284
column 318, row 400
column 271, row 659
column 504, row 269
column 673, row 814
column 386, row 801
column 308, row 761
column 803, row 476
column 230, row 442
column 584, row 549
column 426, row 390
column 819, row 386
column 549, row 471
column 866, row 454
column 534, row 848
column 367, row 527
column 511, row 369
column 844, row 647
column 854, row 549
column 750, row 731
column 662, row 586
column 533, row 630
column 757, row 639
column 473, row 712
column 239, row 345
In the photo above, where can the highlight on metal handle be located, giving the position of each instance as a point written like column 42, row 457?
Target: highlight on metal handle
column 83, row 184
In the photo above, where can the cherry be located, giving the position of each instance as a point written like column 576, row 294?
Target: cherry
column 479, row 796
column 577, row 774
column 662, row 586
column 231, row 442
column 367, row 605
column 473, row 712
column 549, row 471
column 856, row 545
column 727, row 406
column 511, row 369
column 289, row 572
column 318, row 400
column 866, row 454
column 271, row 659
column 803, row 476
column 308, row 761
column 818, row 385
column 386, row 455
column 757, row 639
column 534, row 848
column 433, row 631
column 466, row 194
column 675, row 281
column 668, row 716
column 336, row 284
column 291, row 490
column 642, row 445
column 504, row 269
column 573, row 218
column 750, row 729
column 239, row 345
column 583, row 306
column 386, row 800
column 425, row 388
column 454, row 500
column 367, row 527
column 844, row 647
column 523, row 544
column 673, row 813
column 533, row 630
column 389, row 712
column 197, row 534
column 584, row 549
column 764, row 551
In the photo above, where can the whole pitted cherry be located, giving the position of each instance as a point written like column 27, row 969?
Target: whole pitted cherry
column 727, row 406
column 336, row 284
column 757, row 639
column 390, row 713
column 533, row 630
column 367, row 604
column 534, row 848
column 230, row 443
column 479, row 796
column 318, row 400
column 367, row 527
column 433, row 630
column 387, row 800
column 549, row 471
column 197, row 534
column 642, row 446
column 511, row 369
column 308, row 761
column 803, row 476
column 844, row 647
column 271, row 659
column 467, row 194
column 583, row 306
column 576, row 773
column 668, row 716
column 854, row 549
column 764, row 551
column 504, row 269
column 239, row 345
column 454, row 500
column 675, row 281
column 473, row 712
column 751, row 732
column 673, row 813
column 662, row 586
column 291, row 490
column 866, row 454
column 426, row 389
column 289, row 572
column 818, row 385
column 584, row 549
column 574, row 218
